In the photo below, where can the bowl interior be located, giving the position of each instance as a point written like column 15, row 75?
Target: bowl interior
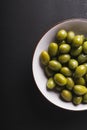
column 79, row 27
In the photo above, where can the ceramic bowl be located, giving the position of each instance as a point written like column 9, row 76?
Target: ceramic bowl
column 79, row 26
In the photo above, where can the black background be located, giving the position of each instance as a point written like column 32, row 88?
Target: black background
column 22, row 24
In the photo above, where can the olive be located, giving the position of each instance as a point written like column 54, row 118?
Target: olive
column 54, row 65
column 76, row 51
column 50, row 83
column 70, row 36
column 44, row 57
column 64, row 58
column 66, row 71
column 64, row 48
column 85, row 65
column 73, row 64
column 66, row 95
column 77, row 41
column 62, row 42
column 82, row 58
column 80, row 81
column 70, row 83
column 61, row 35
column 77, row 100
column 79, row 89
column 48, row 72
column 60, row 79
column 53, row 49
column 85, row 47
column 83, row 37
column 85, row 98
column 80, row 71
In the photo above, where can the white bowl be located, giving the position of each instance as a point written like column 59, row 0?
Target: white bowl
column 80, row 27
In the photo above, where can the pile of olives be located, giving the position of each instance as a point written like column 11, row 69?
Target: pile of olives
column 65, row 65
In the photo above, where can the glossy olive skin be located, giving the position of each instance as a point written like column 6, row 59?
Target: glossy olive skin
column 60, row 79
column 62, row 42
column 73, row 64
column 85, row 47
column 50, row 83
column 77, row 100
column 82, row 58
column 70, row 36
column 80, row 71
column 76, row 51
column 79, row 90
column 64, row 48
column 44, row 57
column 85, row 98
column 49, row 72
column 70, row 83
column 53, row 49
column 54, row 65
column 77, row 41
column 83, row 37
column 85, row 65
column 64, row 58
column 66, row 95
column 66, row 71
column 80, row 81
column 61, row 35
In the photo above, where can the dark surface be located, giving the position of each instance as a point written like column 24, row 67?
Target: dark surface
column 22, row 24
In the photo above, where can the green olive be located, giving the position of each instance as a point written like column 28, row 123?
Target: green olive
column 77, row 41
column 70, row 36
column 44, row 57
column 61, row 35
column 70, row 83
column 85, row 47
column 82, row 58
column 77, row 100
column 62, row 42
column 50, row 83
column 80, row 81
column 66, row 95
column 60, row 79
column 80, row 71
column 64, row 48
column 85, row 65
column 48, row 72
column 73, row 64
column 54, row 65
column 76, row 51
column 64, row 58
column 85, row 98
column 53, row 49
column 66, row 71
column 79, row 90
column 83, row 37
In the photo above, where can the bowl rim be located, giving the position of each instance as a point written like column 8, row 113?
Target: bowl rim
column 58, row 23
